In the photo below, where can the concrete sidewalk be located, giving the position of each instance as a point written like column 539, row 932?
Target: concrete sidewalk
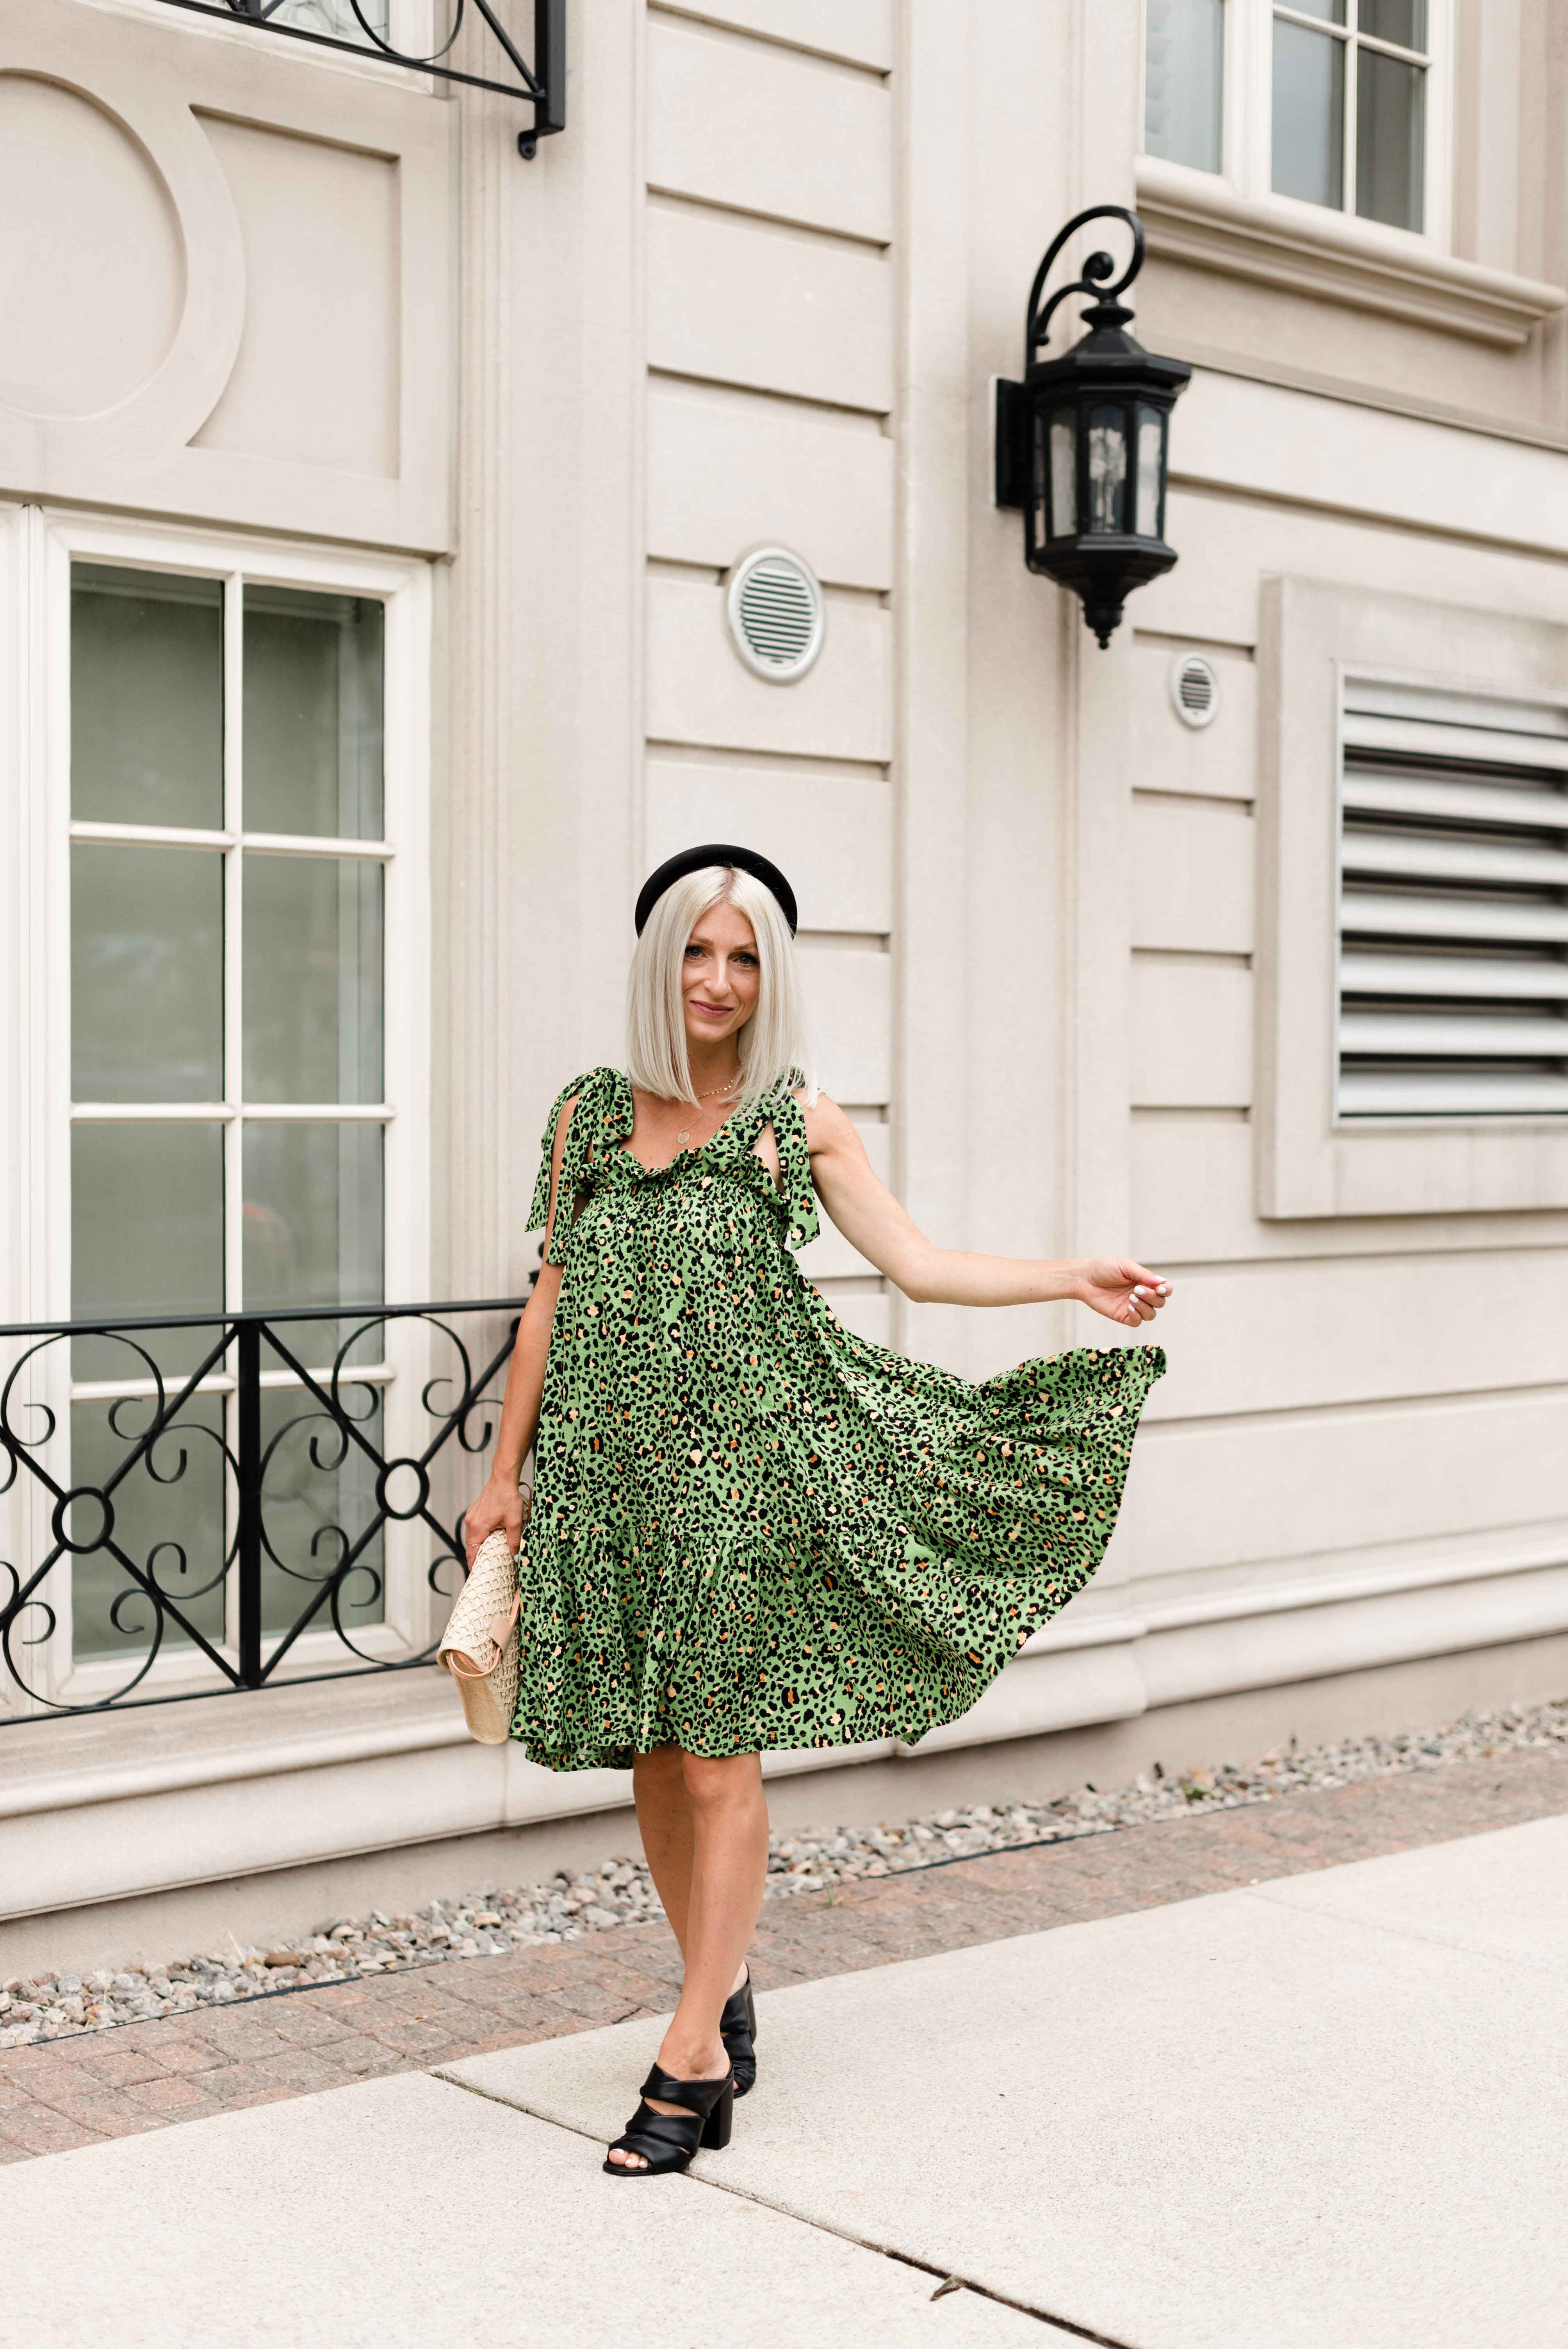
column 1331, row 2110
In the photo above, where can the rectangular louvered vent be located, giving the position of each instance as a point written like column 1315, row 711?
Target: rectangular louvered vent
column 1453, row 905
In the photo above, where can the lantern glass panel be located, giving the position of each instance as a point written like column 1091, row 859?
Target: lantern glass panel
column 1148, row 514
column 1064, row 519
column 1108, row 434
column 1035, row 516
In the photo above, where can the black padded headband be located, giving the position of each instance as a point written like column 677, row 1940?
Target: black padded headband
column 714, row 852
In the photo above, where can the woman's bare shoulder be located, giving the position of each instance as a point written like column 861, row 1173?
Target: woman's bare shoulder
column 826, row 1123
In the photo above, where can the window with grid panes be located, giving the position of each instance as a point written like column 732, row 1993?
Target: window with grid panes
column 1349, row 107
column 228, row 1125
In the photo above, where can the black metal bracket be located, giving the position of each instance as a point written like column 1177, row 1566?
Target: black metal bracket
column 541, row 85
column 1008, row 416
column 1011, row 456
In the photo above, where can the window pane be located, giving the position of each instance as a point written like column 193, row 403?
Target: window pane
column 147, row 698
column 1183, row 78
column 312, row 967
column 146, row 973
column 1404, row 21
column 317, row 1499
column 1390, row 140
column 1331, row 11
column 313, row 1226
column 1308, row 115
column 313, row 714
column 147, row 1236
column 167, row 1518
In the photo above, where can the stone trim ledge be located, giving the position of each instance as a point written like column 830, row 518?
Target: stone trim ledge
column 1193, row 217
column 106, row 1809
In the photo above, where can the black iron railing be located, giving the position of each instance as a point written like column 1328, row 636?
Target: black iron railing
column 196, row 1506
column 542, row 84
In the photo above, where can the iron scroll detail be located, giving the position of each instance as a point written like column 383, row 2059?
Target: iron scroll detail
column 197, row 1507
column 541, row 85
column 1096, row 269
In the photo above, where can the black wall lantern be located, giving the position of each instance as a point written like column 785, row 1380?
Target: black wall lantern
column 1082, row 442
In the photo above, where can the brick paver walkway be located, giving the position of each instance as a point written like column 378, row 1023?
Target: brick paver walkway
column 79, row 2090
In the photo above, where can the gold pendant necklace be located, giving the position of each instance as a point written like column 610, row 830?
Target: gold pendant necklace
column 683, row 1138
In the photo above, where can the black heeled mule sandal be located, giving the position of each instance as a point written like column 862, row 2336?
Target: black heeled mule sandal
column 667, row 2141
column 738, row 2029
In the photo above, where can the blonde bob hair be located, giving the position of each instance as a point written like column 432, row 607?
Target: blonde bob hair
column 774, row 1048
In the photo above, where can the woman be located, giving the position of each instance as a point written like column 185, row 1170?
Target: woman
column 750, row 1528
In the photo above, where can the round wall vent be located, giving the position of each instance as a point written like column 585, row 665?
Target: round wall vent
column 1194, row 688
column 776, row 614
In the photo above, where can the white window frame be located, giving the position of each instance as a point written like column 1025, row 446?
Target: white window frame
column 1310, row 1162
column 43, row 543
column 1246, row 136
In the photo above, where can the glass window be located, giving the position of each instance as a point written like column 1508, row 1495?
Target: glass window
column 336, row 18
column 313, row 703
column 1183, row 82
column 1390, row 139
column 227, row 1028
column 1308, row 115
column 146, row 972
column 147, row 698
column 1349, row 107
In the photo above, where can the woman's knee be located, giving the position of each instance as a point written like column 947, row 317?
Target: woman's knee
column 713, row 1784
column 659, row 1769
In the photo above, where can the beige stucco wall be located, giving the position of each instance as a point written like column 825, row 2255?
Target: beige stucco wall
column 757, row 291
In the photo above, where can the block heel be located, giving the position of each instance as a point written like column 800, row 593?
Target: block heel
column 716, row 2128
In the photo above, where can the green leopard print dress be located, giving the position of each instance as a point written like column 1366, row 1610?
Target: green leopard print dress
column 751, row 1528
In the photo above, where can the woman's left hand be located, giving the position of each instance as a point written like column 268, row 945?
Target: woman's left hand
column 1123, row 1292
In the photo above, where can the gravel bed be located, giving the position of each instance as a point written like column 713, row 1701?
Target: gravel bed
column 490, row 1923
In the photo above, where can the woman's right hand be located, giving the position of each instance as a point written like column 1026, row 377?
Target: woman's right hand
column 499, row 1509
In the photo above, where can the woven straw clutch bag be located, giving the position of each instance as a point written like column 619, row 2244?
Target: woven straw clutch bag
column 479, row 1646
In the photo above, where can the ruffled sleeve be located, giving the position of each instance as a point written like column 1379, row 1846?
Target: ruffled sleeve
column 800, row 1196
column 576, row 1159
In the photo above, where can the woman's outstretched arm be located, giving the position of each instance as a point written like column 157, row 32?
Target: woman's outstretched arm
column 500, row 1507
column 872, row 1220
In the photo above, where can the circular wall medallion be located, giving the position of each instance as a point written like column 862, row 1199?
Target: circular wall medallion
column 92, row 265
column 1194, row 689
column 776, row 614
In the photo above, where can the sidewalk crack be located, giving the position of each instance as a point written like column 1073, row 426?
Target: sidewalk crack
column 947, row 2276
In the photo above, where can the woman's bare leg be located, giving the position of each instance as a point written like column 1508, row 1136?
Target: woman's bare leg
column 704, row 1833
column 665, row 1820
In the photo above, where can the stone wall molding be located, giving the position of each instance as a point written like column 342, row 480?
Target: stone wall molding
column 110, row 1810
column 1201, row 219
